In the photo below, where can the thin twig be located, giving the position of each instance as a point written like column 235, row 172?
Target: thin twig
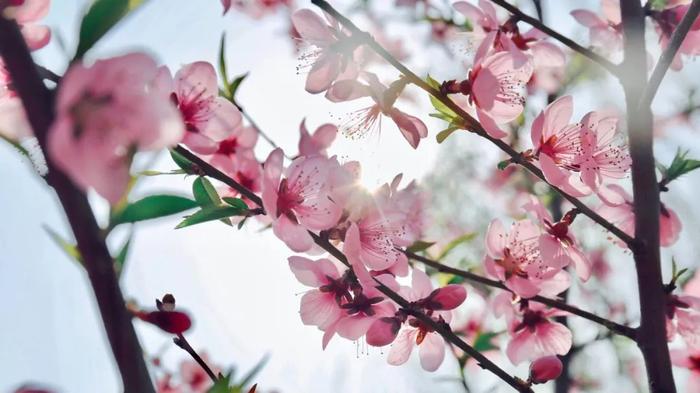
column 669, row 54
column 441, row 328
column 257, row 128
column 471, row 123
column 558, row 304
column 38, row 103
column 534, row 22
column 182, row 342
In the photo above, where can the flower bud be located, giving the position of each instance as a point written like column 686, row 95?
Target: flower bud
column 383, row 331
column 448, row 298
column 545, row 369
column 174, row 322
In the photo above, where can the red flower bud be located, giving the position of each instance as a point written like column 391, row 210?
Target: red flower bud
column 448, row 298
column 383, row 331
column 174, row 322
column 545, row 369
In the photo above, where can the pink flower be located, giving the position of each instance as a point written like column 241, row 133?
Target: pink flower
column 209, row 119
column 666, row 22
column 683, row 317
column 545, row 369
column 690, row 359
column 495, row 86
column 557, row 145
column 321, row 307
column 194, row 377
column 606, row 32
column 618, row 208
column 514, row 257
column 299, row 201
column 534, row 334
column 25, row 13
column 366, row 120
column 332, row 52
column 231, row 152
column 316, row 144
column 105, row 113
column 604, row 153
column 495, row 36
column 431, row 345
column 557, row 244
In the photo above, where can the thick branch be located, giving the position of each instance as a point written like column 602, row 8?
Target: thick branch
column 472, row 123
column 651, row 335
column 37, row 100
column 667, row 57
column 443, row 329
column 534, row 22
column 558, row 304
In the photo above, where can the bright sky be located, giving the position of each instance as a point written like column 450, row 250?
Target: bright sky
column 235, row 284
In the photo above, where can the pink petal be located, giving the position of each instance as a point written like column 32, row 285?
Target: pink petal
column 324, row 71
column 545, row 369
column 355, row 326
column 402, row 347
column 495, row 239
column 420, row 283
column 557, row 114
column 36, row 36
column 490, row 125
column 319, row 309
column 450, row 297
column 347, row 90
column 431, row 351
column 293, row 235
column 312, row 28
column 411, row 127
column 383, row 331
column 587, row 18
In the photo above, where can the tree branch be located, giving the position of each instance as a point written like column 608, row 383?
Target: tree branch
column 534, row 22
column 558, row 304
column 38, row 104
column 442, row 329
column 182, row 342
column 651, row 335
column 667, row 57
column 472, row 123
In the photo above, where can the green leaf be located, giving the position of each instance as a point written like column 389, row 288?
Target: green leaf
column 204, row 192
column 69, row 248
column 679, row 167
column 235, row 202
column 182, row 162
column 504, row 164
column 235, row 84
column 419, row 246
column 99, row 19
column 442, row 135
column 456, row 280
column 483, row 342
column 222, row 385
column 248, row 378
column 222, row 66
column 120, row 259
column 439, row 105
column 456, row 242
column 211, row 213
column 152, row 206
column 16, row 145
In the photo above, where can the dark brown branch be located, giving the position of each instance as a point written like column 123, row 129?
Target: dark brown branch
column 534, row 22
column 38, row 103
column 558, row 304
column 441, row 328
column 471, row 123
column 667, row 56
column 182, row 342
column 651, row 334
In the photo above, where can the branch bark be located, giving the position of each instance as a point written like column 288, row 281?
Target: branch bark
column 38, row 104
column 651, row 337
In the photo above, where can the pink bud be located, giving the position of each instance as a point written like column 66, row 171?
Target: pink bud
column 383, row 331
column 545, row 369
column 448, row 298
column 174, row 322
